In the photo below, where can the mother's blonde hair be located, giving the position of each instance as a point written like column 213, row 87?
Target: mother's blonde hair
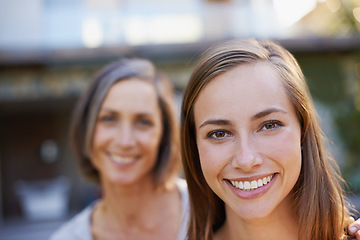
column 319, row 199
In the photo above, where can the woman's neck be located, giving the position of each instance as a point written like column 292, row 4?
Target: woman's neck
column 281, row 224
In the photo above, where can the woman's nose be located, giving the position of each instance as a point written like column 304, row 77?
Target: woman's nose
column 246, row 155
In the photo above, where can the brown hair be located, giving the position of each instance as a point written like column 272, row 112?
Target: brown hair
column 318, row 193
column 87, row 108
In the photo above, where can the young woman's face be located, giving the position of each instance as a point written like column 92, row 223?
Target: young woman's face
column 127, row 132
column 248, row 138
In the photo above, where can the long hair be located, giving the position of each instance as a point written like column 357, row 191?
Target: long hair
column 87, row 109
column 319, row 198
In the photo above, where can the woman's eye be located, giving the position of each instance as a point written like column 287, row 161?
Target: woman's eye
column 218, row 134
column 270, row 125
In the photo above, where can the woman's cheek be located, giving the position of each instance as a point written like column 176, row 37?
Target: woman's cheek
column 213, row 157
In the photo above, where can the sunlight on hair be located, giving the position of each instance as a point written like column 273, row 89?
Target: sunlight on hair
column 92, row 33
column 291, row 11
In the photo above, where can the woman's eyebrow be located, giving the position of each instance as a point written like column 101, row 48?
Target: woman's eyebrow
column 215, row 122
column 255, row 117
column 267, row 112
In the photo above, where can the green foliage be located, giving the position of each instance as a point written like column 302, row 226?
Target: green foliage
column 345, row 21
column 332, row 84
column 326, row 81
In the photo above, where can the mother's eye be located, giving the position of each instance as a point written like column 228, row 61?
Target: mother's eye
column 107, row 118
column 144, row 122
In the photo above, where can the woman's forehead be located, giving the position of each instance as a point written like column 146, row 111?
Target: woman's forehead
column 249, row 87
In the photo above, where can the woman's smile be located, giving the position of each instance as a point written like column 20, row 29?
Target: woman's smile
column 248, row 189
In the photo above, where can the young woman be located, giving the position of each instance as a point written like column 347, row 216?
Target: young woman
column 126, row 136
column 253, row 151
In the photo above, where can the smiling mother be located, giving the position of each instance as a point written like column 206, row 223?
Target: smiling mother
column 125, row 135
column 253, row 150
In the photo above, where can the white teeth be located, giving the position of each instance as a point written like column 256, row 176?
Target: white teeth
column 241, row 185
column 254, row 185
column 248, row 186
column 265, row 181
column 122, row 159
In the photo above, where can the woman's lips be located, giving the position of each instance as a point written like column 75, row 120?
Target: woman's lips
column 253, row 188
column 251, row 185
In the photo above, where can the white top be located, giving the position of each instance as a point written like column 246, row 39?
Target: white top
column 79, row 227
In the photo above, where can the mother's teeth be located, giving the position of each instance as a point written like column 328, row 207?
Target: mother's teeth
column 121, row 159
column 248, row 186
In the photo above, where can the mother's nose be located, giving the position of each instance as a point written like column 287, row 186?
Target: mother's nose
column 125, row 136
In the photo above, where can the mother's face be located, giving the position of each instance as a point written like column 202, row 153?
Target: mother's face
column 248, row 137
column 127, row 133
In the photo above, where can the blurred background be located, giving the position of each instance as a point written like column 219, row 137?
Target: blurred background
column 49, row 50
